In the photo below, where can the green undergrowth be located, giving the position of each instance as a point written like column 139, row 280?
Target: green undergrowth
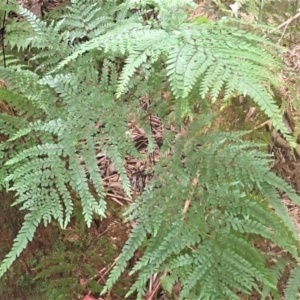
column 63, row 264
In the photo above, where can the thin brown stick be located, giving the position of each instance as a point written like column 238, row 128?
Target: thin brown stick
column 266, row 123
column 117, row 201
column 154, row 291
column 156, row 287
column 282, row 142
column 286, row 23
column 291, row 19
column 186, row 206
column 119, row 197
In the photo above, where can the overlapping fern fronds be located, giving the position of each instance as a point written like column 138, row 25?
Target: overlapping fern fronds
column 212, row 193
column 213, row 56
column 208, row 246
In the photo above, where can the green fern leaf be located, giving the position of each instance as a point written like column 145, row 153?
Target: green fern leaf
column 24, row 236
column 293, row 285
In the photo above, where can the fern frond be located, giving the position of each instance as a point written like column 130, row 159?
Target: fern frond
column 106, row 66
column 89, row 20
column 50, row 149
column 277, row 270
column 25, row 235
column 112, row 38
column 78, row 182
column 293, row 285
column 18, row 35
column 135, row 240
column 116, row 158
column 239, row 214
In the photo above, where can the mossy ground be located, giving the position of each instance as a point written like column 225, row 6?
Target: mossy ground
column 63, row 264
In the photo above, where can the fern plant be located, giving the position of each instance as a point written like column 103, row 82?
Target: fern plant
column 212, row 195
column 203, row 216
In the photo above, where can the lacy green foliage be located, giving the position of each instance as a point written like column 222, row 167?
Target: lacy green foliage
column 16, row 33
column 209, row 247
column 95, row 65
column 228, row 63
column 58, row 273
column 293, row 284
